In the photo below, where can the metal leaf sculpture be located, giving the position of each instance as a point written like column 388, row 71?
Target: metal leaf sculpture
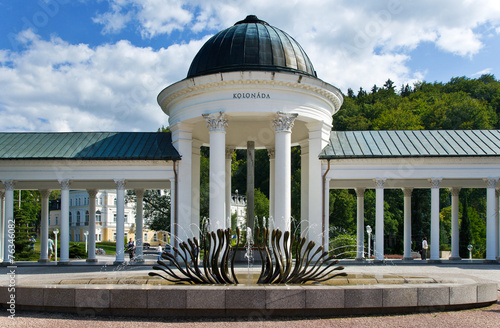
column 277, row 260
column 218, row 256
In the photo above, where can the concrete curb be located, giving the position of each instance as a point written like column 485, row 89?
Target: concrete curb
column 253, row 301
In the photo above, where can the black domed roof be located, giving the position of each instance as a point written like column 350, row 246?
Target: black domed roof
column 251, row 45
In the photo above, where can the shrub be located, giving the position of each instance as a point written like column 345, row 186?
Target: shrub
column 343, row 246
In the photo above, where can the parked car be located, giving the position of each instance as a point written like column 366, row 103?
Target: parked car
column 146, row 245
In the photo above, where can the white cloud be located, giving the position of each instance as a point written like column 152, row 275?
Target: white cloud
column 373, row 32
column 458, row 41
column 482, row 72
column 57, row 86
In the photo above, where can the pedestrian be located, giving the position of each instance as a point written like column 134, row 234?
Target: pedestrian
column 425, row 246
column 50, row 246
column 131, row 249
column 160, row 250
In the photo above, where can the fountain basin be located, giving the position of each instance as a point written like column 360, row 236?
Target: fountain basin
column 144, row 296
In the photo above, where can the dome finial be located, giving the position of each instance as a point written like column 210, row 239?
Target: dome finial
column 251, row 19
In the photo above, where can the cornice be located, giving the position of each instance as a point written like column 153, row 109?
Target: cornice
column 195, row 86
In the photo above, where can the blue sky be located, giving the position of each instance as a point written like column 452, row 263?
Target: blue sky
column 85, row 65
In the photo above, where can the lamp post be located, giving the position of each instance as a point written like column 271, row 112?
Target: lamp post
column 470, row 247
column 86, row 234
column 56, row 231
column 369, row 231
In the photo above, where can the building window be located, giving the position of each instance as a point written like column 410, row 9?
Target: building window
column 78, row 218
column 98, row 216
column 71, row 219
column 126, row 218
column 57, row 219
column 155, row 237
column 165, row 237
column 114, row 217
column 114, row 236
column 71, row 202
column 145, row 236
column 87, row 218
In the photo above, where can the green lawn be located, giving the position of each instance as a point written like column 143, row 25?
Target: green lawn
column 107, row 246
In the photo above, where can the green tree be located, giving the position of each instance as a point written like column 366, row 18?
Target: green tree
column 156, row 208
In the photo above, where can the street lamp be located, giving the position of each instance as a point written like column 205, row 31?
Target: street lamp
column 56, row 231
column 369, row 231
column 86, row 234
column 470, row 247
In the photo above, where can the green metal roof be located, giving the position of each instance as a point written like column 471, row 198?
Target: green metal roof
column 251, row 45
column 417, row 143
column 88, row 146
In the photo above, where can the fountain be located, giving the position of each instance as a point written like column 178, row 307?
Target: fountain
column 219, row 254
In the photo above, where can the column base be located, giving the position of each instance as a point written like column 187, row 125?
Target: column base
column 407, row 259
column 7, row 263
column 92, row 260
column 489, row 261
column 434, row 261
column 43, row 261
column 378, row 261
column 454, row 258
column 359, row 259
column 139, row 260
column 118, row 262
column 64, row 263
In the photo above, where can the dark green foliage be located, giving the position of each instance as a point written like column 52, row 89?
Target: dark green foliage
column 465, row 234
column 343, row 246
column 27, row 219
column 156, row 208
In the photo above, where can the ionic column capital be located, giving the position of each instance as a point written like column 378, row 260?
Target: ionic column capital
column 435, row 182
column 64, row 184
column 283, row 122
column 229, row 152
column 271, row 152
column 139, row 193
column 455, row 191
column 407, row 192
column 379, row 183
column 360, row 192
column 9, row 185
column 120, row 184
column 216, row 122
column 92, row 193
column 491, row 182
column 45, row 193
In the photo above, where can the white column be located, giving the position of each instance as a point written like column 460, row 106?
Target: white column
column 217, row 124
column 360, row 223
column 120, row 220
column 497, row 222
column 195, row 189
column 283, row 124
column 271, row 153
column 3, row 231
column 8, row 256
column 407, row 224
column 491, row 249
column 44, row 226
column 64, row 256
column 182, row 139
column 229, row 154
column 304, row 189
column 455, row 240
column 91, row 236
column 326, row 222
column 318, row 137
column 139, row 224
column 434, row 241
column 379, row 220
